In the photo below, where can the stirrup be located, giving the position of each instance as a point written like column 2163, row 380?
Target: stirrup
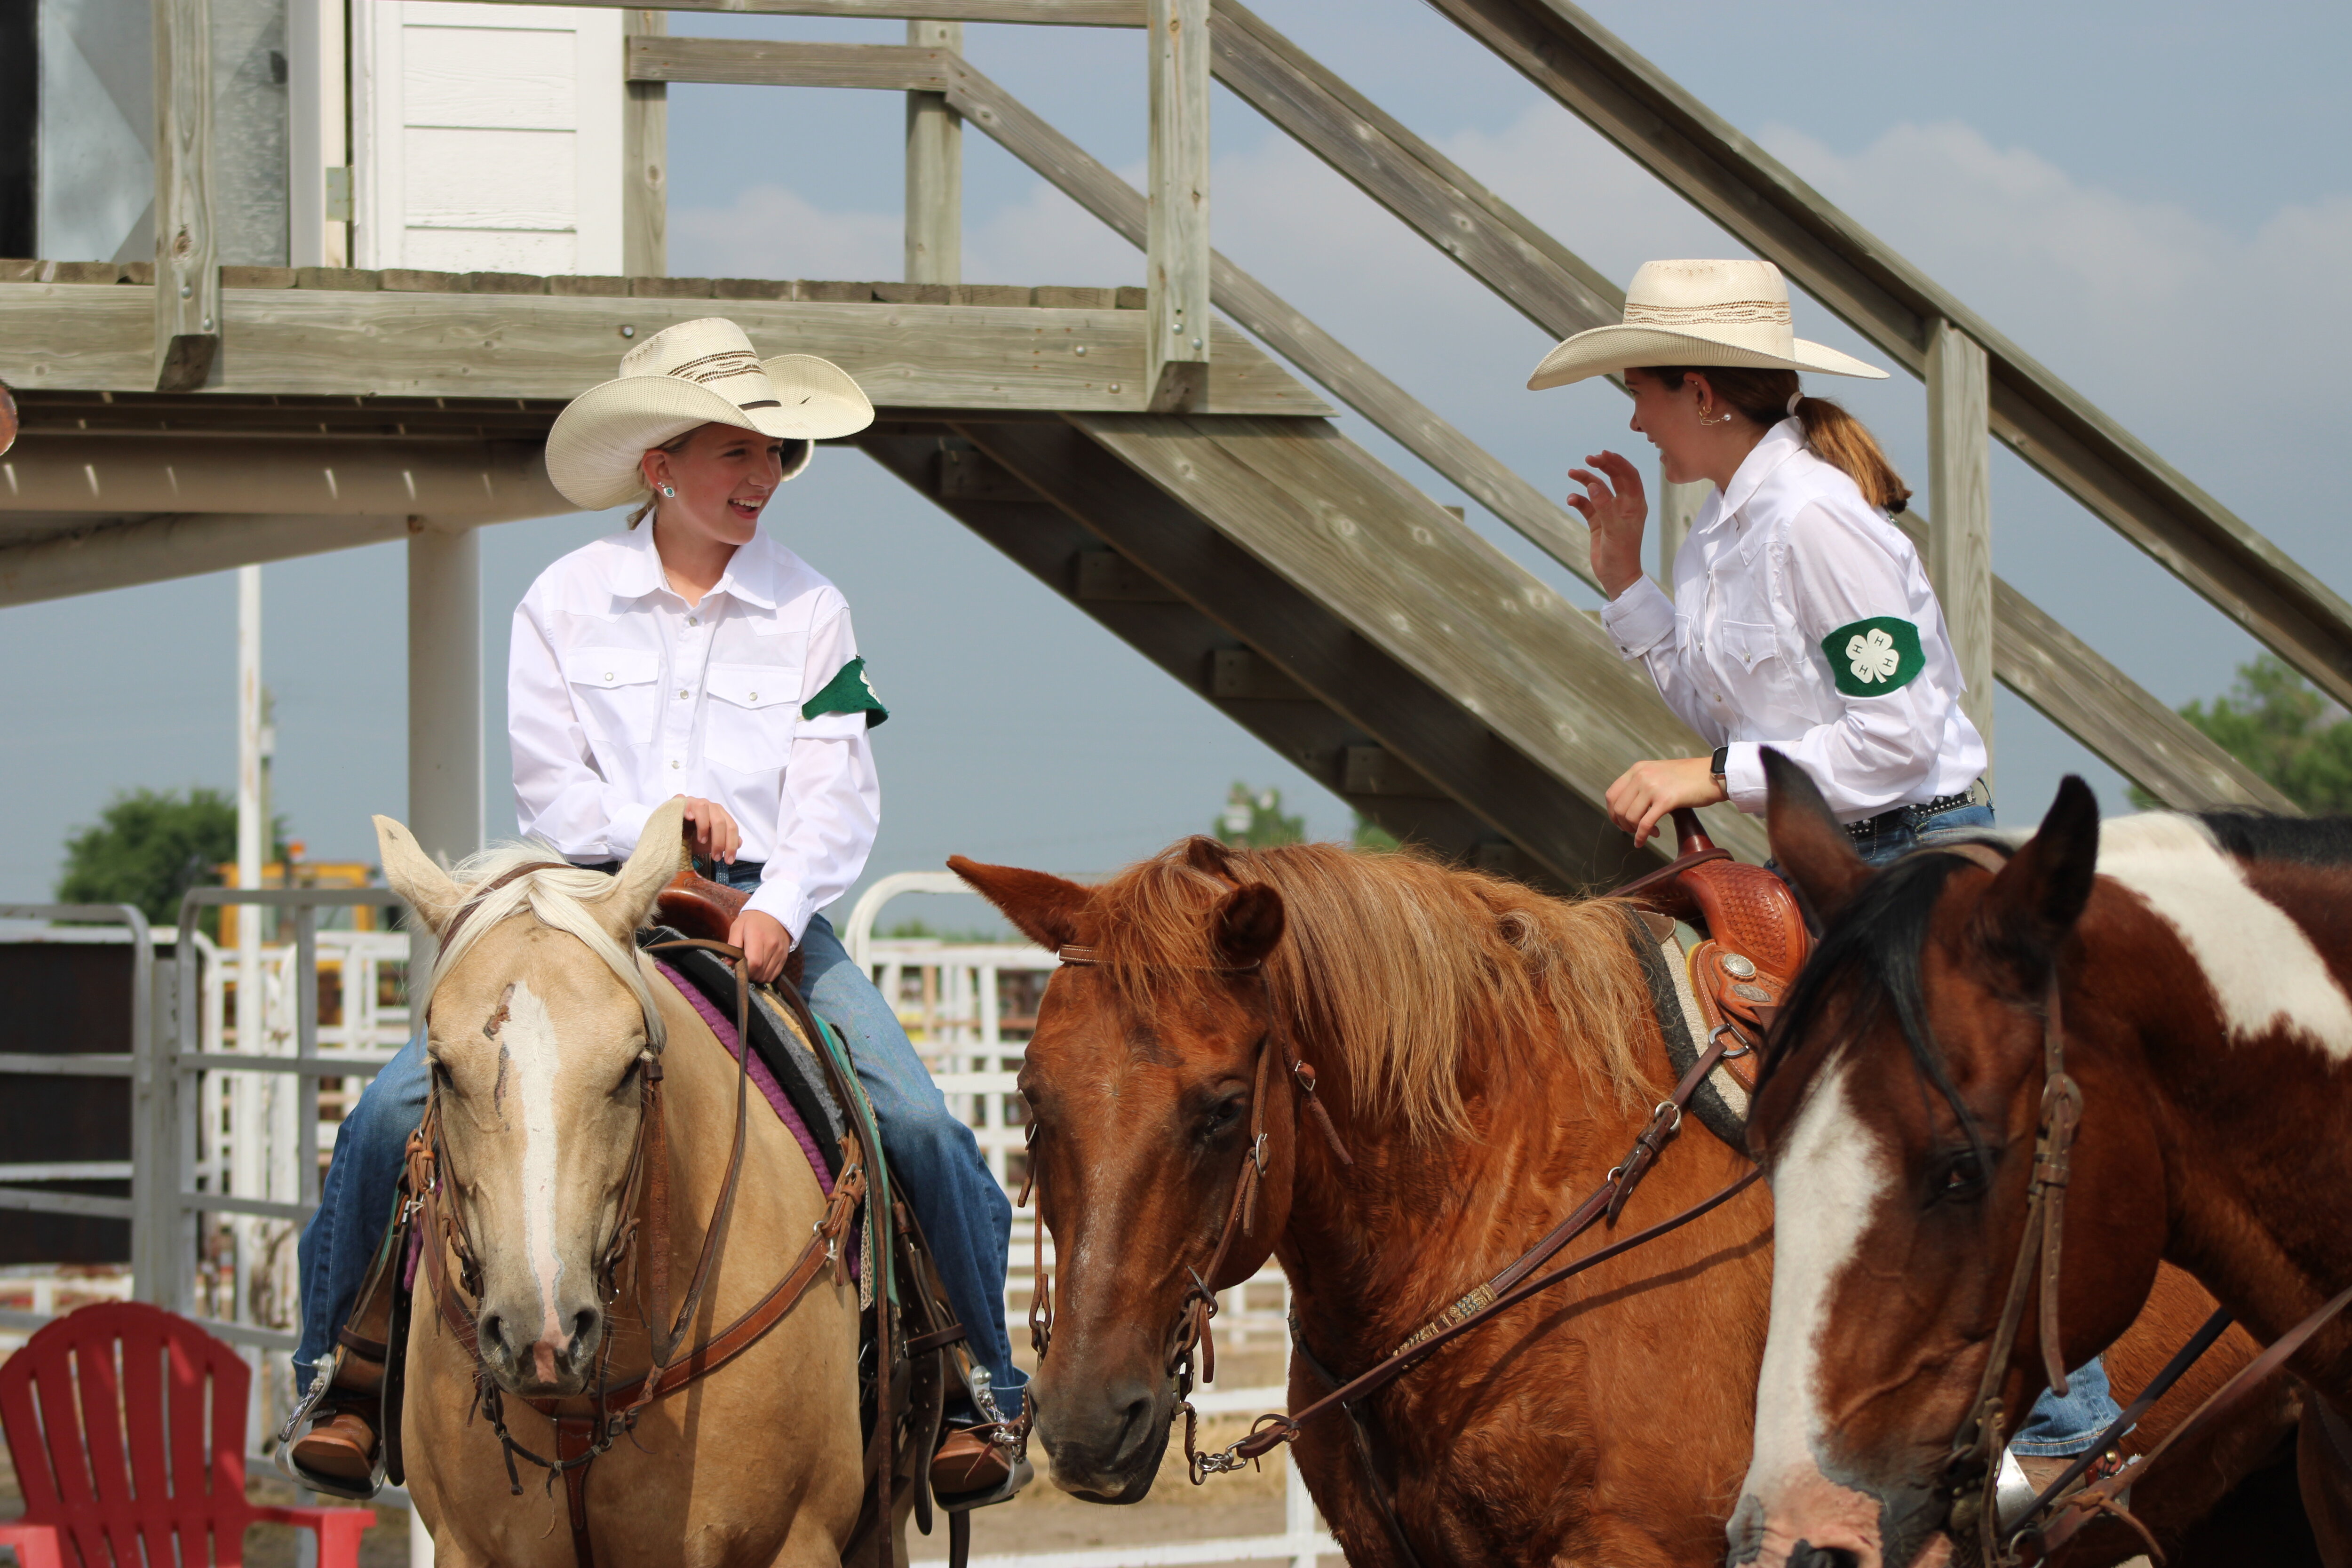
column 322, row 1402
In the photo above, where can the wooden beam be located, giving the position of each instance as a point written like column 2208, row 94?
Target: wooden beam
column 1677, row 510
column 1894, row 304
column 1959, row 512
column 186, row 300
column 898, row 68
column 1043, row 12
column 645, row 160
column 317, row 342
column 1493, row 241
column 1176, row 204
column 128, row 552
column 2100, row 706
column 1098, row 501
column 934, row 169
column 1388, row 560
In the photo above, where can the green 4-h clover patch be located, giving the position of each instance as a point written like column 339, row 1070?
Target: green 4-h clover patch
column 851, row 692
column 1871, row 658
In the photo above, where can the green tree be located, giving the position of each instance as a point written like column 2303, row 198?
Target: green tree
column 1255, row 821
column 1372, row 836
column 148, row 848
column 2282, row 729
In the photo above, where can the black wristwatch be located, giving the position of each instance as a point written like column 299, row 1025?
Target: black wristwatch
column 1716, row 764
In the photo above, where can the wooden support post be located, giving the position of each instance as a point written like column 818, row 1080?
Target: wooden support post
column 1677, row 510
column 1176, row 216
column 1959, row 510
column 934, row 170
column 445, row 697
column 645, row 161
column 187, row 272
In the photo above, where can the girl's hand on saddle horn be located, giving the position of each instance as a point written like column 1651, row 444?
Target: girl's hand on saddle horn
column 1615, row 504
column 1645, row 791
column 714, row 833
column 764, row 941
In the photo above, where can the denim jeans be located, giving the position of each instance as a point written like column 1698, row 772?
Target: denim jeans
column 934, row 1161
column 2055, row 1426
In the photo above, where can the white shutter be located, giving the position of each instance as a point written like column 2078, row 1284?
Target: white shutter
column 490, row 137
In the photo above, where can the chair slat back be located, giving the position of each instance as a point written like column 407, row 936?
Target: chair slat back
column 127, row 1424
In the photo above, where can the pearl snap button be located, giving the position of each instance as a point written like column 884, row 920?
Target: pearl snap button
column 755, row 697
column 608, row 675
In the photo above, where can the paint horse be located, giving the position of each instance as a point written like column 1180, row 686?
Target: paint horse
column 2172, row 986
column 1485, row 1054
column 543, row 1022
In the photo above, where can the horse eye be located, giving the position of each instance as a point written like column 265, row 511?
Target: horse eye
column 1961, row 1177
column 1225, row 1116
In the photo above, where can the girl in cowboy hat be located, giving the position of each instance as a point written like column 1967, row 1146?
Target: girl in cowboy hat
column 1801, row 617
column 692, row 655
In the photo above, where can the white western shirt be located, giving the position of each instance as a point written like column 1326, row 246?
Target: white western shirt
column 620, row 695
column 1802, row 619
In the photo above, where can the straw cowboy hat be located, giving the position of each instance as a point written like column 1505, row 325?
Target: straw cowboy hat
column 694, row 374
column 1697, row 312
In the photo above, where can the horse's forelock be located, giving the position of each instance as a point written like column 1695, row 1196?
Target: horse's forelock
column 1403, row 963
column 560, row 895
column 1867, row 964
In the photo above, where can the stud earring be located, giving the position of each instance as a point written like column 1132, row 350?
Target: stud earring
column 669, row 492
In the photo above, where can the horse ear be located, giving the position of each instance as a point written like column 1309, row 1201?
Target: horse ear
column 1210, row 856
column 1247, row 923
column 651, row 867
column 1808, row 840
column 431, row 891
column 1043, row 906
column 2040, row 893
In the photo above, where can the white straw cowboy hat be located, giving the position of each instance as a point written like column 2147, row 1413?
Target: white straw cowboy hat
column 694, row 374
column 1697, row 312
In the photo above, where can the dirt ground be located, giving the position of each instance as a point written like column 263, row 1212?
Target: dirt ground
column 1040, row 1520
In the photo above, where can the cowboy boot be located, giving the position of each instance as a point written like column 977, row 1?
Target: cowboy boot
column 343, row 1444
column 982, row 1461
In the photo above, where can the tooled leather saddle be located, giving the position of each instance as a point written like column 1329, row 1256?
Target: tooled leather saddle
column 1753, row 938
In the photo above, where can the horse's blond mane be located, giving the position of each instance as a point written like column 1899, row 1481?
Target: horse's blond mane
column 562, row 896
column 1407, row 963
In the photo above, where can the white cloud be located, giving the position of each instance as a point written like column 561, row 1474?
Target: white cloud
column 769, row 232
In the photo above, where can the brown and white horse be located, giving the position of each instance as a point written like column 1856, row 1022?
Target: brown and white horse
column 1486, row 1053
column 2200, row 967
column 543, row 1019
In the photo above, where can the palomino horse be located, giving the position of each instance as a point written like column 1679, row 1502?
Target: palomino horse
column 543, row 1019
column 1486, row 1053
column 2179, row 984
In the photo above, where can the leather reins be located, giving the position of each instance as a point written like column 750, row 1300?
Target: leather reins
column 588, row 1424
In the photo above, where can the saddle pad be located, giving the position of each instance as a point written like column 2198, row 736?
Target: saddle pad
column 776, row 1041
column 1720, row 1102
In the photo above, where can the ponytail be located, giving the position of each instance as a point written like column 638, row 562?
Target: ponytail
column 1836, row 437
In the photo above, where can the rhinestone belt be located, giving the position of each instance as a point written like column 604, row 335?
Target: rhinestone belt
column 1906, row 816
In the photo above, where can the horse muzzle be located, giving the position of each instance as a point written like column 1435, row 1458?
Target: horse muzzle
column 553, row 1363
column 1105, row 1446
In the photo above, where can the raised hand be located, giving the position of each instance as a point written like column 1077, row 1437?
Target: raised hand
column 710, row 829
column 1615, row 504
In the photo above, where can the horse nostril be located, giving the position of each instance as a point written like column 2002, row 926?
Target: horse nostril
column 583, row 1323
column 1805, row 1554
column 489, row 1332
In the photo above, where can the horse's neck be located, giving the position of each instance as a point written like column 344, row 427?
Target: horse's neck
column 1374, row 1250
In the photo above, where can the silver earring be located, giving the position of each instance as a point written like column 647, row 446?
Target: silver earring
column 1722, row 418
column 669, row 492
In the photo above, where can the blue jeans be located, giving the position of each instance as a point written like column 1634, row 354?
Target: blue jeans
column 934, row 1161
column 2055, row 1426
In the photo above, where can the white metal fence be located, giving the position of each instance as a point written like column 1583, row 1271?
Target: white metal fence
column 229, row 1134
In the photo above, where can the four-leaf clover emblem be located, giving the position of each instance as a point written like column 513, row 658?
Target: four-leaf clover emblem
column 1873, row 656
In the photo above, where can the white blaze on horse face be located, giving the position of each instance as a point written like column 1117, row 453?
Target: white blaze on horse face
column 2264, row 972
column 1827, row 1180
column 528, row 1039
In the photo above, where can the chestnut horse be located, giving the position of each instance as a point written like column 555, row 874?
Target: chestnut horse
column 1486, row 1053
column 544, row 1020
column 2194, row 970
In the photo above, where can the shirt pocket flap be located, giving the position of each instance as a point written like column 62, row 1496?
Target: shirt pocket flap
column 752, row 685
column 602, row 667
column 1749, row 642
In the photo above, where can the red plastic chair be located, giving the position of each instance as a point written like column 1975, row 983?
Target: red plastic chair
column 127, row 1424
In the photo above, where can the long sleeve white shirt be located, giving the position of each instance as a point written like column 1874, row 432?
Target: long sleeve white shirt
column 620, row 695
column 1802, row 618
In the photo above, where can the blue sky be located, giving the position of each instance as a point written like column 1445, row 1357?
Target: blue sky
column 2152, row 198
